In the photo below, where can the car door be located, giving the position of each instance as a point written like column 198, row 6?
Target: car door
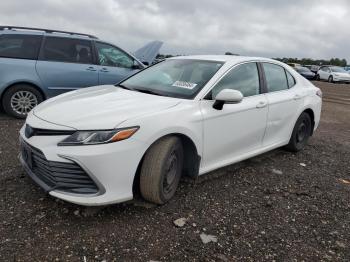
column 239, row 128
column 325, row 73
column 66, row 64
column 114, row 64
column 285, row 99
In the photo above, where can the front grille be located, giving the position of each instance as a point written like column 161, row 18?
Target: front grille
column 31, row 131
column 67, row 177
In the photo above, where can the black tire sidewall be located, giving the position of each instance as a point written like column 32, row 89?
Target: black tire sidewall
column 293, row 144
column 6, row 99
column 180, row 155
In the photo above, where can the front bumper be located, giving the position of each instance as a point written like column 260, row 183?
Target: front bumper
column 341, row 79
column 111, row 167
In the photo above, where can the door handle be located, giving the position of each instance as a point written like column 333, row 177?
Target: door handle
column 104, row 70
column 91, row 68
column 297, row 97
column 261, row 104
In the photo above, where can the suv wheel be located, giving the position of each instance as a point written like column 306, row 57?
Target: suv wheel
column 19, row 100
column 161, row 170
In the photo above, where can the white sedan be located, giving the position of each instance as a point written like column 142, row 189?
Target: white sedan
column 333, row 74
column 184, row 116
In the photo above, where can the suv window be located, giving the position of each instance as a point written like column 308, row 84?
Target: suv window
column 275, row 77
column 109, row 55
column 60, row 49
column 20, row 46
column 244, row 78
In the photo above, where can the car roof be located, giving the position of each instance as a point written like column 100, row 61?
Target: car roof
column 56, row 33
column 46, row 32
column 230, row 59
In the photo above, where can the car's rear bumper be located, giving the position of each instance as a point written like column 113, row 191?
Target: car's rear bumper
column 111, row 167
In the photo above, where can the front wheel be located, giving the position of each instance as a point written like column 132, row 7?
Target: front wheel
column 161, row 170
column 301, row 133
column 19, row 100
column 330, row 79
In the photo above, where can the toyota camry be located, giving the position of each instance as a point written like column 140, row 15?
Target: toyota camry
column 185, row 116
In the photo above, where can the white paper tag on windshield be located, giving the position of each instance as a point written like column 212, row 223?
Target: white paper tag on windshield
column 183, row 84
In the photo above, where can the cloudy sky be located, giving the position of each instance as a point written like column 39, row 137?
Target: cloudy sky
column 271, row 28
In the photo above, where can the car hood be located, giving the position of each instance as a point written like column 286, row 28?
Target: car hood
column 100, row 107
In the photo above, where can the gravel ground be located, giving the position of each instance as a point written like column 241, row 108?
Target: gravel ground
column 278, row 206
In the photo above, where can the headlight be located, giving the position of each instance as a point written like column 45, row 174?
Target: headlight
column 98, row 137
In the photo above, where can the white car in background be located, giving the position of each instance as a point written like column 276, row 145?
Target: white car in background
column 333, row 74
column 184, row 116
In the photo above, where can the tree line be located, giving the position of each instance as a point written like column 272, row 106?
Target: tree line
column 302, row 61
column 309, row 61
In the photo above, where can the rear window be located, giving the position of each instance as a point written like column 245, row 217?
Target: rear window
column 20, row 46
column 60, row 49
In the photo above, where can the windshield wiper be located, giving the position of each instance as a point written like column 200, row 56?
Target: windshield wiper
column 125, row 87
column 146, row 91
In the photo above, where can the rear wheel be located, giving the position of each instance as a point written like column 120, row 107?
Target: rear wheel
column 301, row 133
column 318, row 77
column 19, row 100
column 161, row 170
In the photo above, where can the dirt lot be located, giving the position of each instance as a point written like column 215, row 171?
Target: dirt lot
column 278, row 206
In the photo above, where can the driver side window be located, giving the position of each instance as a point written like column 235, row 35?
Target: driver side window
column 244, row 78
column 111, row 56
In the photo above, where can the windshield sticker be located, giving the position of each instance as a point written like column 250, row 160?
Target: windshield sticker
column 183, row 84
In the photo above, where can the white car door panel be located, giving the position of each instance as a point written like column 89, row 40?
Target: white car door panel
column 324, row 73
column 283, row 108
column 232, row 131
column 237, row 129
column 284, row 97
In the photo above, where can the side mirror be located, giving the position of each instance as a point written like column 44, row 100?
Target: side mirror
column 227, row 96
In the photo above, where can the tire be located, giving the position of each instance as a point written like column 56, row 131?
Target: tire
column 161, row 170
column 301, row 133
column 330, row 79
column 318, row 77
column 18, row 100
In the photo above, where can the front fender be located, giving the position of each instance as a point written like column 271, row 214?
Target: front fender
column 182, row 119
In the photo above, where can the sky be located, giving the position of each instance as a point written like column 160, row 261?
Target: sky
column 316, row 29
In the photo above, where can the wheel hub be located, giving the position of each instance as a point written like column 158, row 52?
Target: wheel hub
column 22, row 102
column 301, row 134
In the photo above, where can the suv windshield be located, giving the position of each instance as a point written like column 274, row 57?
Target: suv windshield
column 182, row 78
column 338, row 69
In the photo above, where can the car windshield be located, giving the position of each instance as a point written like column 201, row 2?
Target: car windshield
column 303, row 69
column 181, row 78
column 338, row 69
